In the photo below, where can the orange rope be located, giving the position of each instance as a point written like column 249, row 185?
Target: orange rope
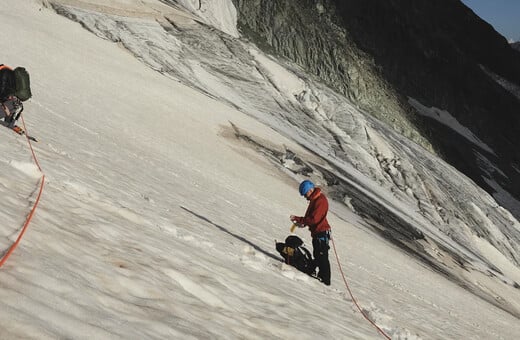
column 31, row 214
column 352, row 296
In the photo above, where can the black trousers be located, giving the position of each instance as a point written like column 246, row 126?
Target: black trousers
column 320, row 251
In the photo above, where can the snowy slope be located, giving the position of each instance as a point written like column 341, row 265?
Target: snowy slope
column 158, row 222
column 436, row 207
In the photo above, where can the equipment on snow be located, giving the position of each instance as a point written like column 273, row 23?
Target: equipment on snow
column 14, row 88
column 10, row 110
column 21, row 132
column 295, row 254
column 7, row 82
column 14, row 83
column 23, row 84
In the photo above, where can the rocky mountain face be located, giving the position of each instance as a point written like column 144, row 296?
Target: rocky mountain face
column 516, row 45
column 311, row 34
column 387, row 55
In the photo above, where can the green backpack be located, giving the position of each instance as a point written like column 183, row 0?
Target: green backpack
column 23, row 86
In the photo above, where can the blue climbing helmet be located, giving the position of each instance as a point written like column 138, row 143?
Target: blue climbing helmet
column 305, row 186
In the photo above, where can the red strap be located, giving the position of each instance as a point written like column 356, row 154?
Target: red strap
column 2, row 66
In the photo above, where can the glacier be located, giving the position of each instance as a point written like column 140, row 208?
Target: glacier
column 173, row 148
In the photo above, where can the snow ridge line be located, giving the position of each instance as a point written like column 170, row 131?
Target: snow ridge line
column 33, row 210
column 352, row 296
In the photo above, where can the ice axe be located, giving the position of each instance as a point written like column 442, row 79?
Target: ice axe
column 294, row 226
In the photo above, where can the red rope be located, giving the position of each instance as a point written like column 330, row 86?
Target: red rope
column 31, row 214
column 352, row 296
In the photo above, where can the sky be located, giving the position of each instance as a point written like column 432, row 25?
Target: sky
column 156, row 222
column 503, row 15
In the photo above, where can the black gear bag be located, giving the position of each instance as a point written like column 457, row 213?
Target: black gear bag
column 23, row 84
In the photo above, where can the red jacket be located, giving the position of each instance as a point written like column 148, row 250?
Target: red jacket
column 316, row 215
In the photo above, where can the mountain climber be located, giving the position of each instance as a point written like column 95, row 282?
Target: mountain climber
column 316, row 219
column 14, row 89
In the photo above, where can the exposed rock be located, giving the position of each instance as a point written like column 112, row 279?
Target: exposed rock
column 308, row 33
column 381, row 53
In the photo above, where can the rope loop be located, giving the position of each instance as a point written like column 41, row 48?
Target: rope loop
column 33, row 210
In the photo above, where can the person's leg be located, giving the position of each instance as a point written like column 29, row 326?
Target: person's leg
column 7, row 111
column 321, row 258
column 325, row 268
column 4, row 112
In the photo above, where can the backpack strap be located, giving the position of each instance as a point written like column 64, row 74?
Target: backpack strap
column 307, row 253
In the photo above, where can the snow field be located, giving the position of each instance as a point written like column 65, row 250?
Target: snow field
column 157, row 223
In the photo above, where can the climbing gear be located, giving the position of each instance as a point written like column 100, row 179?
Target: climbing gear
column 23, row 84
column 305, row 186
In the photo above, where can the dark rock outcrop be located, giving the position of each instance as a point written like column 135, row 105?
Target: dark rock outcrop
column 310, row 34
column 381, row 53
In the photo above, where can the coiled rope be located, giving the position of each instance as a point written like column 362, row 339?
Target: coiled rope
column 31, row 213
column 352, row 296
